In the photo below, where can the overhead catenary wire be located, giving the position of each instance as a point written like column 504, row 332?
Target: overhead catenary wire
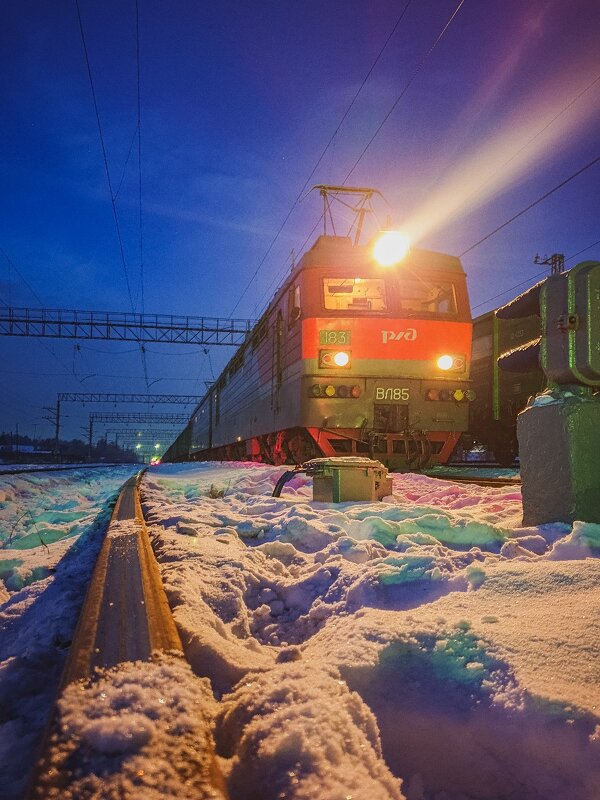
column 323, row 152
column 107, row 171
column 412, row 77
column 531, row 205
column 46, row 346
column 139, row 152
column 406, row 87
column 533, row 277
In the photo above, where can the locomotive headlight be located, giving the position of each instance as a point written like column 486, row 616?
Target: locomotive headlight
column 390, row 248
column 445, row 362
column 335, row 359
column 341, row 359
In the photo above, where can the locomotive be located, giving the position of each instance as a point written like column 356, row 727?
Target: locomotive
column 359, row 352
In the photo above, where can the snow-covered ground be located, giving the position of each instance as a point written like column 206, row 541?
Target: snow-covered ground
column 425, row 647
column 41, row 590
column 473, row 642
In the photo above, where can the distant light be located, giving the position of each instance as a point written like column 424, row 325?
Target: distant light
column 445, row 362
column 341, row 359
column 156, row 446
column 137, row 447
column 390, row 248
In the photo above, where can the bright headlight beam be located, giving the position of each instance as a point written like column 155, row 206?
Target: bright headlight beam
column 390, row 248
column 341, row 359
column 445, row 362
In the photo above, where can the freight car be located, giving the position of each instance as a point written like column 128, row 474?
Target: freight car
column 349, row 358
column 500, row 395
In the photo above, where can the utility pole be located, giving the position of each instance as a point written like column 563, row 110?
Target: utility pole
column 57, row 429
column 556, row 262
column 54, row 419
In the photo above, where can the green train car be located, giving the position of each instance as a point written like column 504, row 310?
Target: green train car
column 500, row 395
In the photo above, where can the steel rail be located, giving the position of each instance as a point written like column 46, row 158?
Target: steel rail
column 125, row 617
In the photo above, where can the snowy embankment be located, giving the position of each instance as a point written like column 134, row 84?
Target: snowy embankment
column 425, row 647
column 51, row 529
column 428, row 638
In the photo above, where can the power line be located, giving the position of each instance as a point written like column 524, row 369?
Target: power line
column 104, row 154
column 531, row 205
column 107, row 170
column 585, row 249
column 139, row 132
column 325, row 149
column 533, row 277
column 39, row 299
column 500, row 169
column 414, row 74
column 416, row 71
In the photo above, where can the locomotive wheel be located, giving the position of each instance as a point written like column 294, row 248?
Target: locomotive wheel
column 301, row 448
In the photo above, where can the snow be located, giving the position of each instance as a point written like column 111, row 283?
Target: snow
column 426, row 647
column 139, row 729
column 472, row 639
column 41, row 591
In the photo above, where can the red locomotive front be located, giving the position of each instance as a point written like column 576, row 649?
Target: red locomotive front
column 365, row 349
column 385, row 353
column 349, row 357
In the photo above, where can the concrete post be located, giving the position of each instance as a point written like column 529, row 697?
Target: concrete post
column 559, row 450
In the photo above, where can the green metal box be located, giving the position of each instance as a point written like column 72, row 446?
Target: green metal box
column 339, row 480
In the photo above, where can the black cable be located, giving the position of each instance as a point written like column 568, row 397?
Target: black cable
column 416, row 71
column 104, row 155
column 530, row 206
column 325, row 149
column 110, row 187
column 139, row 129
column 500, row 169
column 585, row 249
column 40, row 301
column 533, row 277
column 387, row 116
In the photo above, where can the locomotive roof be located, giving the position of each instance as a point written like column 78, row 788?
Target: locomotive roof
column 340, row 251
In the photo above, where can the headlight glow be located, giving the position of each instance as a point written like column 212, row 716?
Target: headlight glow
column 390, row 248
column 341, row 359
column 445, row 362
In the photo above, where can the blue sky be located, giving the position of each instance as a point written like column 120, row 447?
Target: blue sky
column 238, row 101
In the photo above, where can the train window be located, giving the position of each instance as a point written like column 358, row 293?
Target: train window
column 354, row 294
column 421, row 297
column 294, row 307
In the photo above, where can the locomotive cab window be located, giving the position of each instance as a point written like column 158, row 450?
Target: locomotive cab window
column 354, row 294
column 427, row 298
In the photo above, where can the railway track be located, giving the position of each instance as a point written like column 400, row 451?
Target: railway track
column 50, row 468
column 449, row 475
column 125, row 618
